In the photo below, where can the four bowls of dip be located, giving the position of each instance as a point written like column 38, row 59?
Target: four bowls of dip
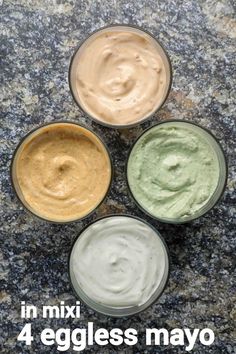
column 176, row 170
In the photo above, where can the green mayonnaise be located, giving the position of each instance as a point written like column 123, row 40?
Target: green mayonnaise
column 173, row 170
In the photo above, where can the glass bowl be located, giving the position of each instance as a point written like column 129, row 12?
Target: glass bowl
column 166, row 172
column 118, row 265
column 75, row 62
column 60, row 166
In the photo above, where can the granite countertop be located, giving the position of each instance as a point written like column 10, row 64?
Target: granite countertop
column 37, row 41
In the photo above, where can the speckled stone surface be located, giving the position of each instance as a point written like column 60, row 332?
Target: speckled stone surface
column 37, row 41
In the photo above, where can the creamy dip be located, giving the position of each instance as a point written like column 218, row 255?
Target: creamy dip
column 120, row 75
column 119, row 262
column 173, row 170
column 61, row 171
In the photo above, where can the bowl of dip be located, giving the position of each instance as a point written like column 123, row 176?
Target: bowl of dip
column 61, row 172
column 119, row 265
column 120, row 75
column 176, row 171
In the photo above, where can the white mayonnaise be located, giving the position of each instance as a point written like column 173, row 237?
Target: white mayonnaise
column 118, row 262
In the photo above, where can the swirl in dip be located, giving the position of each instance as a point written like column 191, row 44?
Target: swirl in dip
column 61, row 172
column 174, row 170
column 118, row 262
column 120, row 75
